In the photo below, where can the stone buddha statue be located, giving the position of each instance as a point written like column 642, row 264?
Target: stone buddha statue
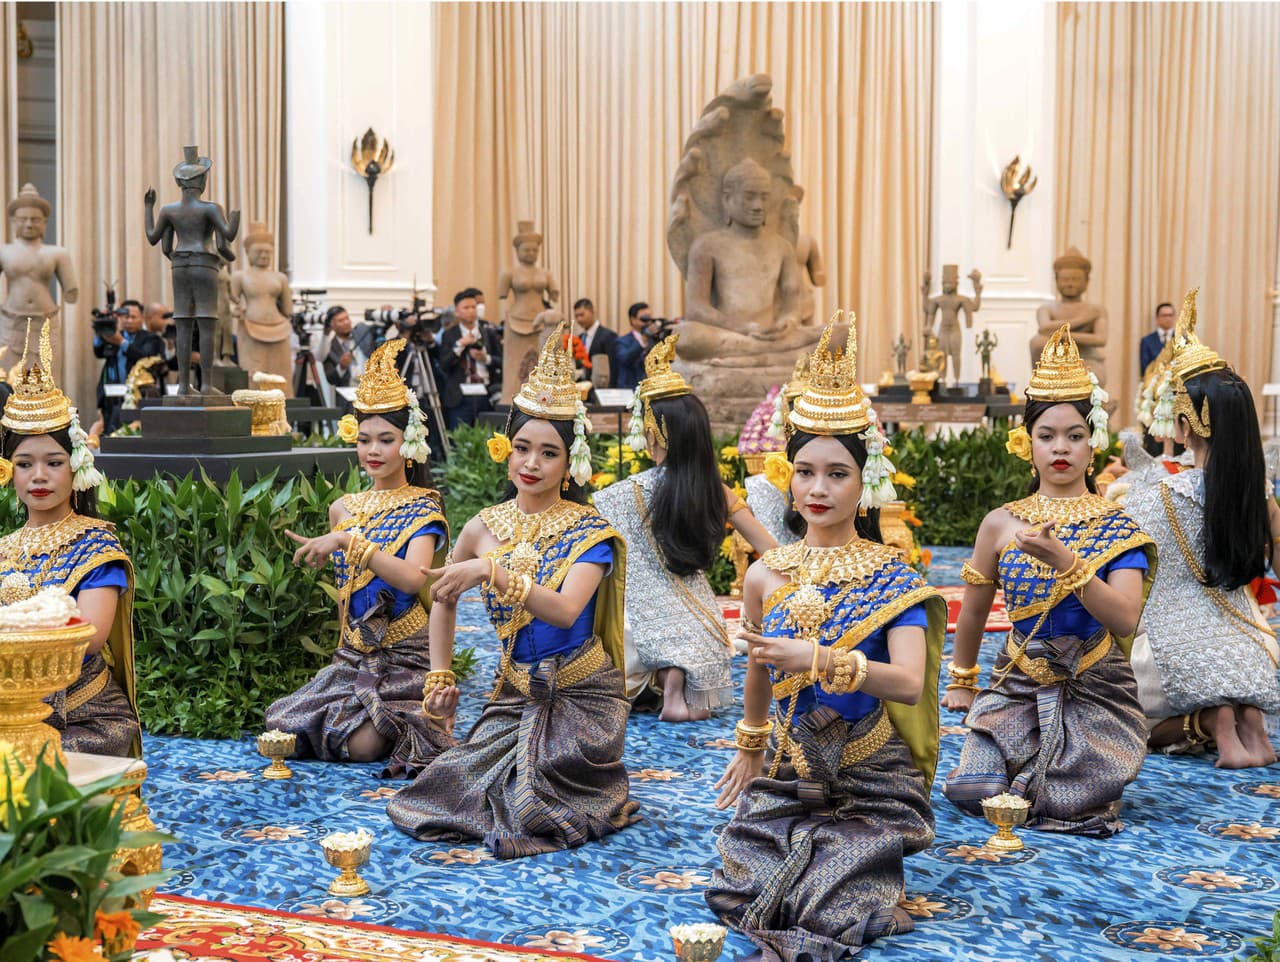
column 262, row 304
column 1088, row 321
column 30, row 266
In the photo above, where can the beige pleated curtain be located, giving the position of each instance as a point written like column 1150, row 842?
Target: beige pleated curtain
column 1168, row 132
column 8, row 101
column 137, row 82
column 574, row 115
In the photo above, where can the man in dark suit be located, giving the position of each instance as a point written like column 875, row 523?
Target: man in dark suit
column 1154, row 342
column 627, row 362
column 596, row 338
column 469, row 355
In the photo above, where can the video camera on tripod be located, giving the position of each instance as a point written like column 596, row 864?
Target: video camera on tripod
column 308, row 316
column 417, row 324
column 104, row 321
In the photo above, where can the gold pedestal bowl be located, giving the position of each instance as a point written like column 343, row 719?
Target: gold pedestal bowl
column 34, row 664
column 699, row 942
column 347, row 851
column 1004, row 811
column 277, row 746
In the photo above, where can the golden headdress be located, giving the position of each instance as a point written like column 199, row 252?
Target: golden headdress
column 382, row 390
column 551, row 391
column 799, row 378
column 1060, row 374
column 832, row 401
column 660, row 381
column 37, row 406
column 1189, row 358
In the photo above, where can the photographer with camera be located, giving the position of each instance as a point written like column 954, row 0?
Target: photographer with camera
column 471, row 361
column 343, row 354
column 113, row 337
column 627, row 359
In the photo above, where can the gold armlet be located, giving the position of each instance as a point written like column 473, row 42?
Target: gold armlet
column 738, row 505
column 971, row 575
column 752, row 738
column 746, row 624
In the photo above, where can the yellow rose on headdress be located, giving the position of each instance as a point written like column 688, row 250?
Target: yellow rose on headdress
column 778, row 471
column 499, row 447
column 6, row 471
column 348, row 428
column 1019, row 443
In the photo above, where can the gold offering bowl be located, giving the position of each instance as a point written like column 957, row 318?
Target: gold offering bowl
column 348, row 883
column 1005, row 811
column 700, row 942
column 922, row 383
column 35, row 663
column 277, row 746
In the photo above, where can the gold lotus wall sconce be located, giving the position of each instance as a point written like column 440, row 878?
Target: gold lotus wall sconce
column 371, row 157
column 1016, row 181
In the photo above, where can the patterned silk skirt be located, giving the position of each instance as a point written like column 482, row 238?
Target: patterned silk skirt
column 94, row 714
column 376, row 675
column 813, row 864
column 1068, row 740
column 542, row 769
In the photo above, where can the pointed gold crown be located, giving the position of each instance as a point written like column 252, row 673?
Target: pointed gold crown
column 1060, row 375
column 799, row 378
column 1190, row 356
column 660, row 381
column 550, row 392
column 381, row 388
column 37, row 406
column 832, row 402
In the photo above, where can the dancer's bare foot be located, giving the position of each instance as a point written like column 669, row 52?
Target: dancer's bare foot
column 674, row 706
column 1220, row 722
column 1252, row 727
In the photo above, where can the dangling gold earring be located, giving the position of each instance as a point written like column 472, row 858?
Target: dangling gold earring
column 408, row 464
column 564, row 485
column 1089, row 470
column 1034, row 472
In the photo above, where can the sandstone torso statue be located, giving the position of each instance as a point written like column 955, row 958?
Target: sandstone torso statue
column 30, row 266
column 261, row 299
column 529, row 289
column 1088, row 321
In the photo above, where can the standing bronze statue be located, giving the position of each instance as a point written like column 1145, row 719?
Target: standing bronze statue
column 187, row 232
column 942, row 314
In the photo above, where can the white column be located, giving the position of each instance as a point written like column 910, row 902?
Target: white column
column 352, row 66
column 995, row 98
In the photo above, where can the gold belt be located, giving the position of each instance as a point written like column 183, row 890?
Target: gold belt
column 82, row 696
column 1038, row 670
column 407, row 625
column 576, row 671
column 858, row 750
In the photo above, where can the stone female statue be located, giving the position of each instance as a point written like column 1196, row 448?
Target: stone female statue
column 30, row 266
column 261, row 303
column 532, row 290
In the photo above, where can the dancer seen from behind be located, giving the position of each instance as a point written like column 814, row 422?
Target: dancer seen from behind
column 672, row 518
column 541, row 770
column 65, row 544
column 1206, row 658
column 845, row 642
column 366, row 705
column 1059, row 722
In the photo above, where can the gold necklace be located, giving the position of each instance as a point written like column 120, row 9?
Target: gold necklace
column 28, row 543
column 1039, row 508
column 856, row 560
column 367, row 505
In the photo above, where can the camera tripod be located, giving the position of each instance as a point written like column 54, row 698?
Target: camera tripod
column 415, row 369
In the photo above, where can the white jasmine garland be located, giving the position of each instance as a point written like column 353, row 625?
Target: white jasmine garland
column 347, row 841
column 1162, row 426
column 85, row 477
column 877, row 473
column 580, row 453
column 1101, row 437
column 635, row 427
column 415, row 445
column 776, row 423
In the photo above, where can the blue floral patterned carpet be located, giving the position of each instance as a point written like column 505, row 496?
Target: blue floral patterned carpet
column 1193, row 875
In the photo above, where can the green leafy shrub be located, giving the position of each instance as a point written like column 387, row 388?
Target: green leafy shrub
column 56, row 874
column 1266, row 948
column 470, row 479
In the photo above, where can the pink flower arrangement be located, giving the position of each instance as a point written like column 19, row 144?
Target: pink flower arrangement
column 755, row 433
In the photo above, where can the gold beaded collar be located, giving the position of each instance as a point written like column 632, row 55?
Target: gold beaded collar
column 857, row 560
column 365, row 505
column 1039, row 508
column 509, row 523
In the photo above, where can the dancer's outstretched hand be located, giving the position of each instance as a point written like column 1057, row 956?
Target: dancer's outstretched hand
column 441, row 708
column 315, row 552
column 737, row 776
column 451, row 581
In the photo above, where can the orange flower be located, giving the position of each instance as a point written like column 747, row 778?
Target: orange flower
column 909, row 517
column 116, row 929
column 67, row 948
column 926, row 557
column 579, row 349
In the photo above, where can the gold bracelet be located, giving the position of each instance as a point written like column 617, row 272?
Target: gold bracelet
column 971, row 575
column 526, row 586
column 441, row 678
column 359, row 551
column 956, row 672
column 1076, row 578
column 840, row 667
column 752, row 738
column 859, row 675
column 507, row 597
column 813, row 668
column 493, row 571
column 746, row 624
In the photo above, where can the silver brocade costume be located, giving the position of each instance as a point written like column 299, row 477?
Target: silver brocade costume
column 670, row 621
column 1189, row 654
column 769, row 506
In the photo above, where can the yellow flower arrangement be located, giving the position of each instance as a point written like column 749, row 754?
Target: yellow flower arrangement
column 70, row 948
column 726, row 472
column 778, row 471
column 6, row 471
column 117, row 930
column 499, row 447
column 739, row 490
column 726, row 547
column 903, row 480
column 1019, row 443
column 348, row 428
column 728, row 453
column 603, row 479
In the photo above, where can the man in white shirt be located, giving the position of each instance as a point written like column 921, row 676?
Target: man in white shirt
column 1154, row 342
